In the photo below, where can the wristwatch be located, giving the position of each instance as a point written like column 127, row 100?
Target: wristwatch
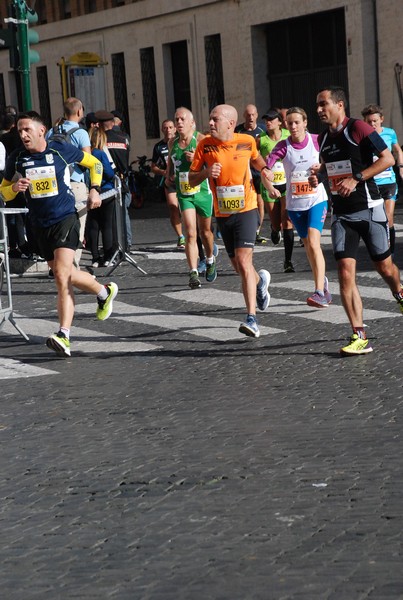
column 358, row 177
column 96, row 187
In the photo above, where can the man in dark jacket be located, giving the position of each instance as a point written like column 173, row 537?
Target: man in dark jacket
column 118, row 144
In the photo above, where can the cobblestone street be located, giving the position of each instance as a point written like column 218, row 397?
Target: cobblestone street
column 172, row 458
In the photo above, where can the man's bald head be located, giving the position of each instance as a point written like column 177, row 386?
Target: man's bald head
column 250, row 116
column 250, row 109
column 228, row 111
column 184, row 121
column 223, row 119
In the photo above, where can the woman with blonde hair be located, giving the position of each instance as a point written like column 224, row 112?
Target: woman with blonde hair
column 100, row 220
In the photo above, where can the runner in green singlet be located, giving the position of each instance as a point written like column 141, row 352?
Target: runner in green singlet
column 196, row 203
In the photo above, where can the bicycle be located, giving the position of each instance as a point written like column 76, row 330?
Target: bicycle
column 142, row 184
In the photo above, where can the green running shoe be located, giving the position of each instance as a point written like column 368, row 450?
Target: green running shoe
column 181, row 242
column 104, row 309
column 194, row 281
column 59, row 343
column 211, row 272
column 400, row 303
column 356, row 346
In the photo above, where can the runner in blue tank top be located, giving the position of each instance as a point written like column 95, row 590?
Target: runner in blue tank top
column 386, row 180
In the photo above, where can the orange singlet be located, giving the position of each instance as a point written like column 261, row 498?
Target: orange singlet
column 233, row 190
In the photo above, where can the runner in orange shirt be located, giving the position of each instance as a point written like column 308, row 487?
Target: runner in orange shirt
column 224, row 157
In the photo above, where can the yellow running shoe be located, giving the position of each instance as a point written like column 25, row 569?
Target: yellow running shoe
column 59, row 343
column 105, row 307
column 356, row 346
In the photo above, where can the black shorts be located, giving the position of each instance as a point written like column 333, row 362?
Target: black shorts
column 65, row 234
column 171, row 188
column 239, row 230
column 371, row 225
column 388, row 191
column 256, row 182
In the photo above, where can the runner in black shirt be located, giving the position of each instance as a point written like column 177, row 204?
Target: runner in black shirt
column 347, row 150
column 159, row 163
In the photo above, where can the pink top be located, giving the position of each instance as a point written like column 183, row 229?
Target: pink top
column 280, row 149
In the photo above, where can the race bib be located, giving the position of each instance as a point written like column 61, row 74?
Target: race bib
column 300, row 184
column 184, row 185
column 386, row 174
column 230, row 198
column 279, row 173
column 336, row 172
column 43, row 182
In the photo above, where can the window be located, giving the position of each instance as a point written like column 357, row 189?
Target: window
column 215, row 80
column 65, row 9
column 119, row 87
column 149, row 92
column 303, row 55
column 180, row 74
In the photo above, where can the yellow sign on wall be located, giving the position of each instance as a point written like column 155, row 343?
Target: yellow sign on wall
column 79, row 77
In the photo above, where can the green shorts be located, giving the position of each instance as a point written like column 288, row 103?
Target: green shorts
column 265, row 194
column 202, row 202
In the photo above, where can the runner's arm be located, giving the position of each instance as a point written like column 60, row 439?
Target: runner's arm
column 318, row 174
column 95, row 167
column 266, row 175
column 9, row 189
column 197, row 177
column 6, row 190
column 169, row 175
column 199, row 171
column 157, row 160
column 384, row 161
column 398, row 154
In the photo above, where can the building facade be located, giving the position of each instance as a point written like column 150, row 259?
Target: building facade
column 145, row 57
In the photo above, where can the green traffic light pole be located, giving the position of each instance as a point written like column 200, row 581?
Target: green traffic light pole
column 21, row 11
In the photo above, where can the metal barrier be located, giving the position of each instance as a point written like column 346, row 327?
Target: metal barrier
column 6, row 313
column 119, row 229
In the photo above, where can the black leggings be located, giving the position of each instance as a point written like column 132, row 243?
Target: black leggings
column 100, row 220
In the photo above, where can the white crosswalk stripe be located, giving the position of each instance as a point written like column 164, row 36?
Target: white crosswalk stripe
column 85, row 340
column 14, row 369
column 333, row 314
column 206, row 327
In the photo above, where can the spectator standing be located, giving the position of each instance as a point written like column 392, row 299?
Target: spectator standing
column 18, row 224
column 100, row 219
column 118, row 144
